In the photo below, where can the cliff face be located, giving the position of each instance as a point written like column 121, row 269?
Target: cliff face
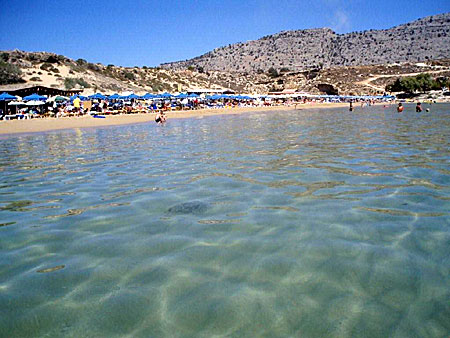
column 420, row 40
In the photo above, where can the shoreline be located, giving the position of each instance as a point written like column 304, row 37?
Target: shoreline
column 14, row 127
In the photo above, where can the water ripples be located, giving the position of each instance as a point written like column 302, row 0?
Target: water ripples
column 302, row 223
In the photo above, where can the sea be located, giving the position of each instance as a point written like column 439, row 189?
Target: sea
column 301, row 223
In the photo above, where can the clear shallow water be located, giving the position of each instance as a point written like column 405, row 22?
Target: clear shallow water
column 308, row 223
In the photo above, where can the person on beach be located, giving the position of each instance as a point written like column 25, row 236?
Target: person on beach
column 160, row 117
column 76, row 104
column 351, row 106
column 418, row 107
column 400, row 108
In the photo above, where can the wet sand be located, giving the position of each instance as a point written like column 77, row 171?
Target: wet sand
column 48, row 124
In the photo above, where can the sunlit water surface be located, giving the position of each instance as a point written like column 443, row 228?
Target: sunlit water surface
column 318, row 223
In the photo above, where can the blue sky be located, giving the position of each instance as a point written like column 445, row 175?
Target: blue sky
column 147, row 33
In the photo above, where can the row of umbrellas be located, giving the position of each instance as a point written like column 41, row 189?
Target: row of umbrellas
column 147, row 96
column 30, row 100
column 38, row 98
column 32, row 97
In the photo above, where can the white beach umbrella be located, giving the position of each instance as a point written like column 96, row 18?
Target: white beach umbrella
column 34, row 103
column 16, row 103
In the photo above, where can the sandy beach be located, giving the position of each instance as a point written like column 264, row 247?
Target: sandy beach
column 48, row 124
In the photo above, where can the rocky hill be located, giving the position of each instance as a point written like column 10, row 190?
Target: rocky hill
column 18, row 69
column 41, row 68
column 420, row 40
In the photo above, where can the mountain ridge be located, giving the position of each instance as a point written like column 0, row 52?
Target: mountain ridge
column 420, row 40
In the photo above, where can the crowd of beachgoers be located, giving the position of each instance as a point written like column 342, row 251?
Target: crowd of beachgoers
column 37, row 106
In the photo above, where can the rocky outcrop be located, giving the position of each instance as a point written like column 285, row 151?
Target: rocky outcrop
column 420, row 40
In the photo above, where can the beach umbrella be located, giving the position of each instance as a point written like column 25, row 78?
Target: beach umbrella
column 114, row 96
column 58, row 99
column 34, row 97
column 34, row 103
column 242, row 97
column 16, row 103
column 148, row 96
column 6, row 97
column 98, row 96
column 193, row 95
column 165, row 95
column 133, row 96
column 181, row 96
column 82, row 98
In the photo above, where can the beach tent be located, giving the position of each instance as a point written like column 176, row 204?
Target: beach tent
column 6, row 97
column 34, row 97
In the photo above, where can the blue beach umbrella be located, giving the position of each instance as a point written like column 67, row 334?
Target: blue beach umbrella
column 114, row 96
column 34, row 97
column 6, row 97
column 215, row 97
column 182, row 96
column 98, row 96
column 165, row 95
column 193, row 95
column 133, row 96
column 148, row 96
column 82, row 98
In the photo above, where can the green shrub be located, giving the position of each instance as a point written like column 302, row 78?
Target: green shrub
column 35, row 78
column 419, row 83
column 4, row 57
column 71, row 82
column 93, row 67
column 81, row 62
column 129, row 76
column 46, row 66
column 272, row 72
column 10, row 73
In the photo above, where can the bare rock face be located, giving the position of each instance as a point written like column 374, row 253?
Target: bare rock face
column 420, row 40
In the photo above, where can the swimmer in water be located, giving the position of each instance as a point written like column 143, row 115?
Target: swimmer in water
column 418, row 107
column 400, row 108
column 160, row 118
